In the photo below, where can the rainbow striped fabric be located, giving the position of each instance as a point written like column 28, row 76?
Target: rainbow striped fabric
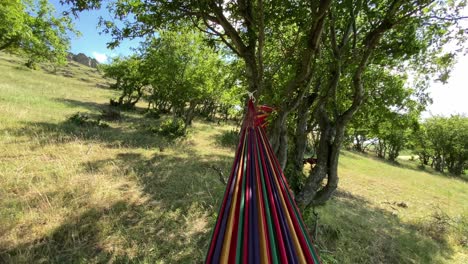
column 258, row 221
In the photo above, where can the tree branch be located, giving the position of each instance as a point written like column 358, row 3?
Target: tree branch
column 229, row 29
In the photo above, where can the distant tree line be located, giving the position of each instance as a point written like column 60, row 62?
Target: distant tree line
column 438, row 142
column 442, row 143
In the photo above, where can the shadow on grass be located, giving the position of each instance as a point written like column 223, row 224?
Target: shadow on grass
column 75, row 241
column 90, row 105
column 127, row 134
column 93, row 106
column 121, row 233
column 172, row 224
column 174, row 180
column 112, row 137
column 352, row 231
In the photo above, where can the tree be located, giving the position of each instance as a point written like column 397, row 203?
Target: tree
column 176, row 72
column 447, row 140
column 31, row 28
column 394, row 134
column 420, row 145
column 184, row 72
column 13, row 26
column 388, row 115
column 129, row 78
column 362, row 36
column 246, row 28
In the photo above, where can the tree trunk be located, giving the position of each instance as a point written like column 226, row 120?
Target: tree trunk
column 278, row 138
column 189, row 115
column 9, row 43
column 30, row 64
column 296, row 156
column 254, row 78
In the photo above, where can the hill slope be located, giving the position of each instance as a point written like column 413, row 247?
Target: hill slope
column 74, row 194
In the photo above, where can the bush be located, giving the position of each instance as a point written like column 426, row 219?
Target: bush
column 121, row 105
column 229, row 138
column 84, row 120
column 153, row 114
column 111, row 114
column 296, row 180
column 171, row 128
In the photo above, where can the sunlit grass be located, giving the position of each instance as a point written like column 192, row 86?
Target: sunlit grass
column 73, row 194
column 372, row 225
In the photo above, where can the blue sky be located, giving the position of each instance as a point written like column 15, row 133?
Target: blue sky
column 91, row 42
column 451, row 98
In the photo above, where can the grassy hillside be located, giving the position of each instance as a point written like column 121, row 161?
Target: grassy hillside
column 71, row 194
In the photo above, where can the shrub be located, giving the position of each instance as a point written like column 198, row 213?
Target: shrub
column 171, row 128
column 229, row 138
column 84, row 120
column 121, row 105
column 153, row 114
column 111, row 114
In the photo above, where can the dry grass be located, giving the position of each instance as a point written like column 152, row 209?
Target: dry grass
column 71, row 194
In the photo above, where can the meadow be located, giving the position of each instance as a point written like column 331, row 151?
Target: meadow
column 121, row 194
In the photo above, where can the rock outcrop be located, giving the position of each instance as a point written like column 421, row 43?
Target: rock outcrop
column 83, row 59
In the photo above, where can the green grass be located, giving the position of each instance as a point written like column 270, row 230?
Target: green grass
column 368, row 226
column 122, row 194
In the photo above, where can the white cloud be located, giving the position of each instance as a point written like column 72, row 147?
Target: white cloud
column 100, row 57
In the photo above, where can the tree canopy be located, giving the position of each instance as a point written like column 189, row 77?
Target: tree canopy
column 31, row 28
column 176, row 69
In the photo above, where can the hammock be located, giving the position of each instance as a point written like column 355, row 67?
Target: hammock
column 258, row 221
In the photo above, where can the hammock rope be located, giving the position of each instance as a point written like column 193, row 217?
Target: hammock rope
column 258, row 221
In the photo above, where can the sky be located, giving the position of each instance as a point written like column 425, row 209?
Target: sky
column 451, row 98
column 448, row 99
column 91, row 42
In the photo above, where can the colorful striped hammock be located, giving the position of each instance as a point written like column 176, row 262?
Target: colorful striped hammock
column 258, row 221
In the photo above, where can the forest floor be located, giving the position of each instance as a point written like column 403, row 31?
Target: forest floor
column 119, row 194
